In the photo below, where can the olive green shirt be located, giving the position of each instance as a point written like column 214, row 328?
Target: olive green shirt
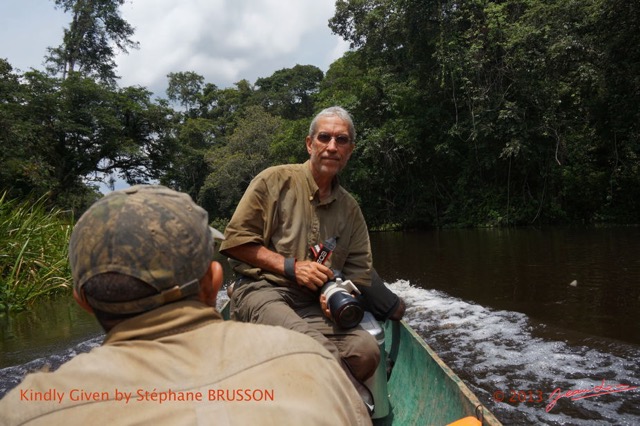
column 281, row 210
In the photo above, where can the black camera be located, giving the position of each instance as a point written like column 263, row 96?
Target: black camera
column 345, row 309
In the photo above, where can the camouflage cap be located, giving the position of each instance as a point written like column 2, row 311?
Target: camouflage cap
column 149, row 232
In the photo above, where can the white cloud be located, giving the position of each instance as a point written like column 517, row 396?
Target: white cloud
column 226, row 40
column 222, row 40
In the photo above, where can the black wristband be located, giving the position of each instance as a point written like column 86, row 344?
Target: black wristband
column 290, row 268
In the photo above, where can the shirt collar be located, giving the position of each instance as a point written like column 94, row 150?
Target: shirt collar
column 172, row 318
column 314, row 189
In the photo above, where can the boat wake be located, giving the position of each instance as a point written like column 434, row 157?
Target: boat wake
column 525, row 372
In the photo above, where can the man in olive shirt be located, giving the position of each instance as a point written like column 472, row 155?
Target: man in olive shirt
column 286, row 210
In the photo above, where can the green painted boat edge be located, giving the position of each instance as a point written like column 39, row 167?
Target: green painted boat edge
column 430, row 395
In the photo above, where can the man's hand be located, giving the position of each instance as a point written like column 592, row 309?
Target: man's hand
column 309, row 274
column 399, row 312
column 325, row 307
column 312, row 275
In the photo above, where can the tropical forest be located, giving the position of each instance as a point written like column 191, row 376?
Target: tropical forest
column 468, row 113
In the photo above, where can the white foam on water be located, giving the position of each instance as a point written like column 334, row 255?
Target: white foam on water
column 497, row 351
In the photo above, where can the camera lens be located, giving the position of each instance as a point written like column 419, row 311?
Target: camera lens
column 345, row 310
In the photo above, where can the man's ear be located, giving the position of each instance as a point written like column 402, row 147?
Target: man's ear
column 308, row 141
column 211, row 283
column 80, row 300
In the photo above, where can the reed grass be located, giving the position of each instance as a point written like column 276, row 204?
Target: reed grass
column 34, row 252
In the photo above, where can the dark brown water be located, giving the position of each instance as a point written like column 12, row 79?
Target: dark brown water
column 528, row 271
column 509, row 310
column 49, row 327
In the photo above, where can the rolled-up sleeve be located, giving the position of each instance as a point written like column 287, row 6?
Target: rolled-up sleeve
column 248, row 223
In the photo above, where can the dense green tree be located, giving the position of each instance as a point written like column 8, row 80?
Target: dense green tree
column 215, row 119
column 187, row 169
column 208, row 116
column 618, row 104
column 66, row 134
column 244, row 156
column 185, row 88
column 506, row 104
column 289, row 146
column 289, row 92
column 24, row 169
column 95, row 35
column 193, row 134
column 393, row 105
column 225, row 106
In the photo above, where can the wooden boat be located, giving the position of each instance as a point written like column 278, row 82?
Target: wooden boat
column 422, row 389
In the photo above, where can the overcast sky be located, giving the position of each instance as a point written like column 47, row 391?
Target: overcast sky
column 222, row 40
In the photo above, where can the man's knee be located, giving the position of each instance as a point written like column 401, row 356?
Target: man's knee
column 363, row 355
column 250, row 300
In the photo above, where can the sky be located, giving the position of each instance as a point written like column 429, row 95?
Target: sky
column 222, row 40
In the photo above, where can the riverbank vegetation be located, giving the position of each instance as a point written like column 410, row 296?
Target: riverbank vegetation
column 33, row 261
column 474, row 113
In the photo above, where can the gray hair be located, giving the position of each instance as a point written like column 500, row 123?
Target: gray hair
column 339, row 112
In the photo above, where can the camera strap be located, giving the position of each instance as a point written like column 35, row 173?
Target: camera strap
column 322, row 252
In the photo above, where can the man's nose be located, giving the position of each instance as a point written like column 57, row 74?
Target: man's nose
column 332, row 145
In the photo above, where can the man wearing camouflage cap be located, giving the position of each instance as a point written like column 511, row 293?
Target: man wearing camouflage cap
column 141, row 261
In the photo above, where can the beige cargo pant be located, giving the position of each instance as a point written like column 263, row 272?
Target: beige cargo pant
column 298, row 308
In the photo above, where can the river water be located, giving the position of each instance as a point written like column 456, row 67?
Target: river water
column 518, row 314
column 521, row 313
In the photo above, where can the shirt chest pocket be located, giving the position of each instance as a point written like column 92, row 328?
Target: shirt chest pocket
column 338, row 257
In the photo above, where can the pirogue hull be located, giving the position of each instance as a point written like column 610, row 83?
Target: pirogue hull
column 423, row 390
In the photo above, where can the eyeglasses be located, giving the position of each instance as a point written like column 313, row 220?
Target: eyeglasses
column 340, row 139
